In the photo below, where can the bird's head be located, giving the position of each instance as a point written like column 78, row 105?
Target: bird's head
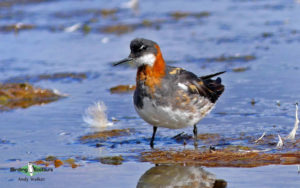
column 142, row 52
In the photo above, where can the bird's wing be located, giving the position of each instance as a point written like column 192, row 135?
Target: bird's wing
column 204, row 86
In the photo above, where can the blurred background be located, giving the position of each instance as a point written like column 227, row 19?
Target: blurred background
column 68, row 47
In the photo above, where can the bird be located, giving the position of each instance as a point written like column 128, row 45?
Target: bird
column 167, row 96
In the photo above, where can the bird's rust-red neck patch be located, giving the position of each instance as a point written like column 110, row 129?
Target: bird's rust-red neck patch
column 152, row 74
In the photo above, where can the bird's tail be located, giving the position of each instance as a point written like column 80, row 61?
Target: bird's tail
column 216, row 88
column 212, row 75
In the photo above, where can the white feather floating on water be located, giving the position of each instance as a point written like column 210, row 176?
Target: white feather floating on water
column 280, row 142
column 72, row 28
column 292, row 134
column 261, row 137
column 132, row 4
column 255, row 150
column 105, row 40
column 95, row 116
column 57, row 92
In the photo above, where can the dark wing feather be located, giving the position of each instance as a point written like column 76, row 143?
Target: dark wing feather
column 213, row 88
column 204, row 85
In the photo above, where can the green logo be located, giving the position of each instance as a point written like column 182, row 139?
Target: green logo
column 30, row 169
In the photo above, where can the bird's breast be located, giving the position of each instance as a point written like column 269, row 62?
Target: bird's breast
column 170, row 111
column 150, row 76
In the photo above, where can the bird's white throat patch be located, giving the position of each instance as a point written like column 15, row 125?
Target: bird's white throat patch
column 147, row 59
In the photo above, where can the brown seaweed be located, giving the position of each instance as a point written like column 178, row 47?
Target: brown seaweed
column 122, row 89
column 222, row 158
column 24, row 95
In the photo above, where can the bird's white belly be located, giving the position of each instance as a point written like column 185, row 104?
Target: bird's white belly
column 165, row 116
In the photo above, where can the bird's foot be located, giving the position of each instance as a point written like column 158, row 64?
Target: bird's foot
column 212, row 149
column 152, row 145
column 195, row 136
column 195, row 143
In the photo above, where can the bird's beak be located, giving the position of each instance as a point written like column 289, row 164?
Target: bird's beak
column 123, row 61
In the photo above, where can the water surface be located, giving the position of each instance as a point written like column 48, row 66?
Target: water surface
column 266, row 31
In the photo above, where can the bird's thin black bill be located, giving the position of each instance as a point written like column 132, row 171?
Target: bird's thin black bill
column 122, row 61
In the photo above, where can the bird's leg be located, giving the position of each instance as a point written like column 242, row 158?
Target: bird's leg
column 195, row 135
column 153, row 135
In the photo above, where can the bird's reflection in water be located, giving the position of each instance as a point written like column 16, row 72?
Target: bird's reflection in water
column 179, row 176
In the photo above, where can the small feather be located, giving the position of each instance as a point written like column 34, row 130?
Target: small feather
column 280, row 142
column 261, row 137
column 292, row 134
column 96, row 116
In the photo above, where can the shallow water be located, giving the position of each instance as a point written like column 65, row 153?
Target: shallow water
column 268, row 31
